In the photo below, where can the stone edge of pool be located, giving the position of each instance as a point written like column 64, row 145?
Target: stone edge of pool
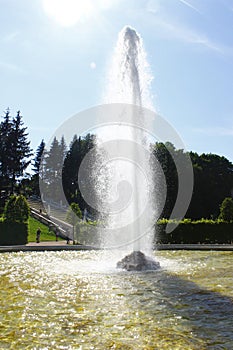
column 59, row 247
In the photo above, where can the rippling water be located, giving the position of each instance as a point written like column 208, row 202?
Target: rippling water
column 78, row 300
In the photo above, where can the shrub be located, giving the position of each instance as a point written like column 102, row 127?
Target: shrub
column 87, row 233
column 14, row 226
column 201, row 231
column 13, row 233
column 22, row 210
column 9, row 209
column 74, row 214
column 16, row 209
column 226, row 210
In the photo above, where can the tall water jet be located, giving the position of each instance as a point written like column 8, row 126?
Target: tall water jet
column 129, row 77
column 115, row 178
column 129, row 81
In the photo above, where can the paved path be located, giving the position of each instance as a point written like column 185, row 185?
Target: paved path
column 159, row 246
column 62, row 245
column 45, row 246
column 221, row 247
column 47, row 243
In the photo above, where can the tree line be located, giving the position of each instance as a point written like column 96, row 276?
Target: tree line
column 213, row 180
column 213, row 174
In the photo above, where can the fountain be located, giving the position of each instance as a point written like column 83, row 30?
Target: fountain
column 79, row 300
column 137, row 261
column 128, row 83
column 71, row 300
column 116, row 178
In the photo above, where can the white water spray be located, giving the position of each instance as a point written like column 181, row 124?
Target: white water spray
column 129, row 77
column 128, row 83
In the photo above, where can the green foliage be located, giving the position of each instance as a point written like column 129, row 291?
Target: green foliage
column 79, row 148
column 22, row 209
column 86, row 233
column 226, row 210
column 46, row 234
column 38, row 157
column 213, row 181
column 213, row 176
column 13, row 233
column 9, row 210
column 193, row 232
column 37, row 167
column 14, row 150
column 74, row 214
column 16, row 209
column 51, row 169
column 165, row 154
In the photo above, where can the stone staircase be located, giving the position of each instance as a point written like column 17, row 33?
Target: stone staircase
column 55, row 220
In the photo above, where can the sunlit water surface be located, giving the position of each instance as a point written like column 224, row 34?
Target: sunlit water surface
column 79, row 300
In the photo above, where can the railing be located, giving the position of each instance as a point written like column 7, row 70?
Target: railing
column 65, row 229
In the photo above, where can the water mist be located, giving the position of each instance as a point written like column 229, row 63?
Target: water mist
column 128, row 85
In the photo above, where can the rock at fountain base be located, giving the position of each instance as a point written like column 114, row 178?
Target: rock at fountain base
column 137, row 261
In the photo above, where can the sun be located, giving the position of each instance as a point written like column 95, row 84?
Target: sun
column 68, row 12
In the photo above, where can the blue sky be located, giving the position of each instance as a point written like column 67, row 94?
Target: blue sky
column 53, row 64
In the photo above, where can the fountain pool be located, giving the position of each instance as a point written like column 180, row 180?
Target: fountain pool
column 80, row 300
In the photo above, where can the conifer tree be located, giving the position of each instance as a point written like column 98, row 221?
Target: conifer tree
column 53, row 161
column 21, row 151
column 38, row 157
column 15, row 151
column 5, row 131
column 71, row 177
column 38, row 166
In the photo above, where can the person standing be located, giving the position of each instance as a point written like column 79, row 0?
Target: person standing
column 56, row 234
column 38, row 233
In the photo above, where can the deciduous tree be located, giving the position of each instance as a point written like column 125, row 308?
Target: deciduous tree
column 226, row 210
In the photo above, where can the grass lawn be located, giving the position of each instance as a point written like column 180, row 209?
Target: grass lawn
column 33, row 226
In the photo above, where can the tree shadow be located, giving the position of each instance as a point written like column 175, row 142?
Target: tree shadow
column 207, row 314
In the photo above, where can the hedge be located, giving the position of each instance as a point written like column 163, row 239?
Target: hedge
column 87, row 233
column 13, row 233
column 187, row 232
column 191, row 232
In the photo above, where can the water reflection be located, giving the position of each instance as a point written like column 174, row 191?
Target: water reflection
column 57, row 300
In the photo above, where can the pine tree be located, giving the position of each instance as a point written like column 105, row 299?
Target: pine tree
column 70, row 170
column 53, row 160
column 72, row 177
column 15, row 151
column 38, row 167
column 62, row 149
column 38, row 157
column 5, row 131
column 20, row 149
